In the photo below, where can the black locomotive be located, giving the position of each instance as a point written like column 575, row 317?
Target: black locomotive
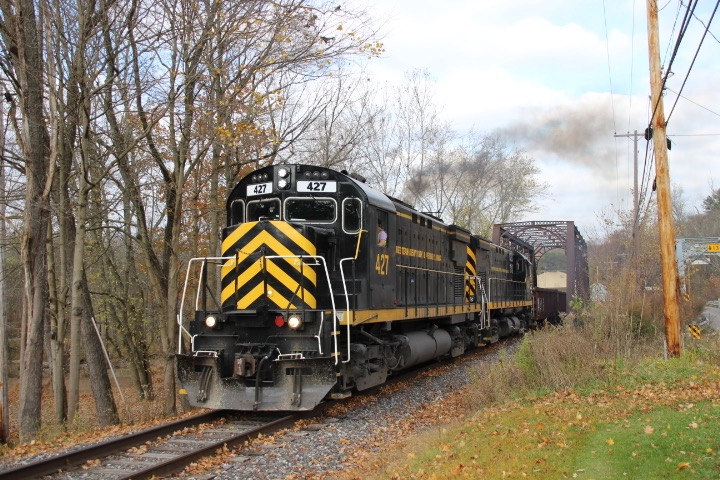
column 325, row 286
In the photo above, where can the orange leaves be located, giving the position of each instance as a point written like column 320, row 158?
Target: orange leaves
column 649, row 430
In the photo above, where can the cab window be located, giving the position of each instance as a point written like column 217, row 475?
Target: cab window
column 267, row 208
column 312, row 210
column 237, row 212
column 352, row 215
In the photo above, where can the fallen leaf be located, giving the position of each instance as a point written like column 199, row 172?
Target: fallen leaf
column 610, row 441
column 649, row 430
column 683, row 465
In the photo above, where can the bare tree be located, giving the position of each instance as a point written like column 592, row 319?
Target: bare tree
column 22, row 39
column 204, row 52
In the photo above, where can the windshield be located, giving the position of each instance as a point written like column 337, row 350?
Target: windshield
column 316, row 210
column 269, row 209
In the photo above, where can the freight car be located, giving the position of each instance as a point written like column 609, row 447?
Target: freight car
column 326, row 286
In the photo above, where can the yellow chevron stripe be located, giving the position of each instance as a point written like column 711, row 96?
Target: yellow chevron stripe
column 283, row 227
column 253, row 295
column 265, row 238
column 281, row 301
column 295, row 236
column 228, row 267
column 291, row 284
column 236, row 235
column 471, row 254
column 243, row 278
column 250, row 272
column 275, row 271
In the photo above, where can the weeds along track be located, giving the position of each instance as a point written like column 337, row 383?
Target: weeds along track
column 156, row 451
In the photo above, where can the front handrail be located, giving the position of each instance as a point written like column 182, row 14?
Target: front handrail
column 204, row 261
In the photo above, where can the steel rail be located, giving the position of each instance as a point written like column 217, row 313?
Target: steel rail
column 65, row 461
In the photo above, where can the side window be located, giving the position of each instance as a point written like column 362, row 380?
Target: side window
column 237, row 212
column 382, row 229
column 269, row 209
column 352, row 215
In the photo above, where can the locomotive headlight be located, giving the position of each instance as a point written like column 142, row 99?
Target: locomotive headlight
column 294, row 321
column 283, row 172
column 211, row 321
column 283, row 184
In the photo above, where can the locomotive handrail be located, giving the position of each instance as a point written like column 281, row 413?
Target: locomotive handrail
column 345, row 292
column 485, row 320
column 204, row 260
column 347, row 302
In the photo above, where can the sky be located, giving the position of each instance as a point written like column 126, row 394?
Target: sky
column 559, row 80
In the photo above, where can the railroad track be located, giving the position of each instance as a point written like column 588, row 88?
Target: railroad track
column 157, row 451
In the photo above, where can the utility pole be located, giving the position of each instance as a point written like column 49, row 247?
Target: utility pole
column 671, row 289
column 636, row 213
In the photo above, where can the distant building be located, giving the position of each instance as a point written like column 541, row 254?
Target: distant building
column 556, row 280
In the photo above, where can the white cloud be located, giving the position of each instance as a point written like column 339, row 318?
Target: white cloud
column 541, row 73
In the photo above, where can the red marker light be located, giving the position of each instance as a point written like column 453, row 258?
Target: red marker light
column 279, row 321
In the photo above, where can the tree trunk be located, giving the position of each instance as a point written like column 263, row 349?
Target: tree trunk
column 4, row 365
column 77, row 305
column 35, row 145
column 57, row 336
column 97, row 365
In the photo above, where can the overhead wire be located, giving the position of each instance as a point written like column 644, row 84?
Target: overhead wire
column 691, row 101
column 649, row 155
column 681, row 34
column 697, row 51
column 648, row 160
column 607, row 51
column 612, row 93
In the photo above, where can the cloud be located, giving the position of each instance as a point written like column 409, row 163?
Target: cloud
column 558, row 79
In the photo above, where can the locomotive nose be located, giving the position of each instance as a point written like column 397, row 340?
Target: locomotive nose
column 269, row 266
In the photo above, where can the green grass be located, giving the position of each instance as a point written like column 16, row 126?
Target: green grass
column 678, row 442
column 648, row 420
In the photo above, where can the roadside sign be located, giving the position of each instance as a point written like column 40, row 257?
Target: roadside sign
column 713, row 247
column 694, row 331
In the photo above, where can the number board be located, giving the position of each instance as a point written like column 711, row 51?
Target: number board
column 259, row 189
column 713, row 247
column 316, row 186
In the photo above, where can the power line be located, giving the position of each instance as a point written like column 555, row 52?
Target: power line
column 607, row 50
column 693, row 102
column 632, row 66
column 706, row 27
column 677, row 15
column 695, row 135
column 697, row 51
column 681, row 34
